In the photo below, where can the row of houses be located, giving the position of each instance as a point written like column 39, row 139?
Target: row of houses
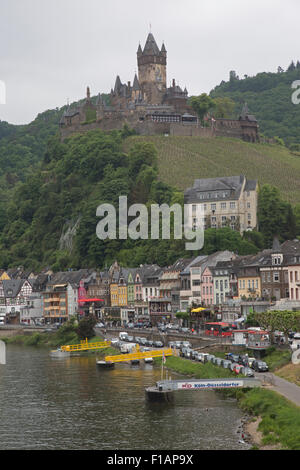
column 226, row 284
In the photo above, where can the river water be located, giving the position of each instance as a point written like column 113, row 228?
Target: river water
column 70, row 404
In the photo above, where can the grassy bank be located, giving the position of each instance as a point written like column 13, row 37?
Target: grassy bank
column 280, row 419
column 290, row 372
column 195, row 369
column 279, row 422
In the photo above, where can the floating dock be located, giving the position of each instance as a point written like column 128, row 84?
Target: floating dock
column 164, row 389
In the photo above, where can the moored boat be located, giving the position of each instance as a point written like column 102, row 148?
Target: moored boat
column 105, row 365
column 134, row 362
column 59, row 353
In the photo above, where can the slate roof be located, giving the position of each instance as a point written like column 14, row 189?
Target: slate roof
column 232, row 185
column 12, row 287
column 72, row 277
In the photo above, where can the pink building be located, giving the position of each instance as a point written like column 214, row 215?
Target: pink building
column 138, row 288
column 207, row 287
column 294, row 281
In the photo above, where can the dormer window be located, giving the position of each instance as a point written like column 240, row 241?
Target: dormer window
column 276, row 259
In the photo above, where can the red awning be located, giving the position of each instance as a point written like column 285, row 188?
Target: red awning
column 89, row 300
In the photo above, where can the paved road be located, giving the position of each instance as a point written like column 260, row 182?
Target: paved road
column 289, row 390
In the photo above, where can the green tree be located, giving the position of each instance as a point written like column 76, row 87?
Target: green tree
column 201, row 105
column 86, row 326
column 224, row 107
column 275, row 216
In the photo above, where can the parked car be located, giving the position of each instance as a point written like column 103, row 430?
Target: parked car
column 210, row 357
column 171, row 344
column 205, row 357
column 130, row 339
column 115, row 341
column 244, row 360
column 250, row 361
column 196, row 356
column 177, row 344
column 188, row 353
column 162, row 328
column 234, row 358
column 219, row 361
column 143, row 341
column 158, row 344
column 185, row 330
column 193, row 352
column 226, row 364
column 247, row 372
column 186, row 344
column 259, row 366
column 99, row 325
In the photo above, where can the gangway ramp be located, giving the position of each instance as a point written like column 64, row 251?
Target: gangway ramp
column 85, row 346
column 137, row 354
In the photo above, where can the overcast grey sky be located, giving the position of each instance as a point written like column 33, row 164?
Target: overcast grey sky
column 52, row 49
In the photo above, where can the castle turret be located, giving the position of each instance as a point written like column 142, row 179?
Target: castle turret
column 152, row 65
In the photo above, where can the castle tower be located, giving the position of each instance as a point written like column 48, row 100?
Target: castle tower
column 152, row 70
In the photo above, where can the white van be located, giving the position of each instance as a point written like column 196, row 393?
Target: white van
column 127, row 347
column 123, row 335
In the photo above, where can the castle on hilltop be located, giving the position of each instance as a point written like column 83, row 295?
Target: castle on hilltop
column 149, row 107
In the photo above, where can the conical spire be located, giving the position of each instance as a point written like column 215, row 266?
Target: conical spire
column 245, row 111
column 151, row 47
column 117, row 85
column 136, row 85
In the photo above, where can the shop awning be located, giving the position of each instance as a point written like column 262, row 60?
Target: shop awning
column 199, row 309
column 89, row 300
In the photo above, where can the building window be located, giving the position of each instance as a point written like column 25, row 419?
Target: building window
column 213, row 207
column 223, row 205
column 276, row 277
column 232, row 205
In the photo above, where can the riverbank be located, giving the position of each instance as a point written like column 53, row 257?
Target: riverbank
column 272, row 421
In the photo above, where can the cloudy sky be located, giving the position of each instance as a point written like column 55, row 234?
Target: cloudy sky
column 52, row 49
